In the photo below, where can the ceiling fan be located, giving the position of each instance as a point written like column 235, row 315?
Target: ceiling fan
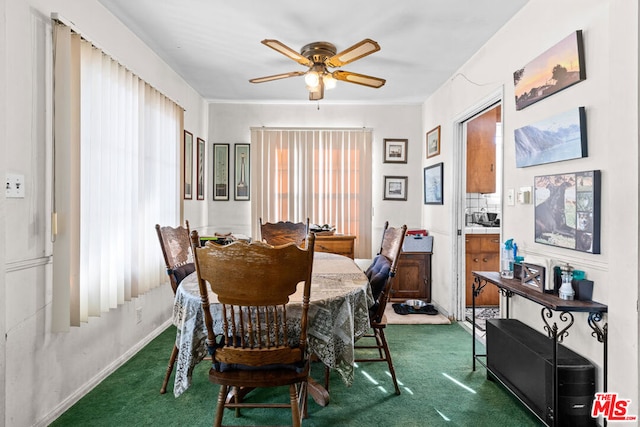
column 319, row 56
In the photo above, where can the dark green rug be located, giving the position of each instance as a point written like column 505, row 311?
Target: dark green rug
column 433, row 363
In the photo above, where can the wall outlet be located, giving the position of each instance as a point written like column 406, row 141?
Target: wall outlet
column 138, row 314
column 524, row 195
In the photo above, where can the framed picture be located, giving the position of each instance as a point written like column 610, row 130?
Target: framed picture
column 200, row 169
column 433, row 176
column 395, row 188
column 433, row 142
column 395, row 150
column 533, row 276
column 187, row 188
column 220, row 172
column 242, row 168
column 558, row 68
column 557, row 138
column 567, row 210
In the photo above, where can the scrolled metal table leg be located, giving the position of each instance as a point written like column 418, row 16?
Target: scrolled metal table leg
column 557, row 334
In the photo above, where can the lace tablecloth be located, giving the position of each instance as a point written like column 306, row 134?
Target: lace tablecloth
column 338, row 316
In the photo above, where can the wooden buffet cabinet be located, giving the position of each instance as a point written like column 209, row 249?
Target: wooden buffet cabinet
column 413, row 277
column 482, row 253
column 341, row 244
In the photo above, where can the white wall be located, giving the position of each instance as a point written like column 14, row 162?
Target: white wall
column 41, row 372
column 231, row 123
column 610, row 95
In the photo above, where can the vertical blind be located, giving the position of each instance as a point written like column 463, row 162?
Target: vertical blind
column 116, row 174
column 320, row 174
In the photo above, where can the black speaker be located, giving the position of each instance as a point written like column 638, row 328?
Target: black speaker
column 522, row 359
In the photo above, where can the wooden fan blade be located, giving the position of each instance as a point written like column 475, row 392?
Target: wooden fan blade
column 360, row 79
column 287, row 51
column 277, row 77
column 357, row 51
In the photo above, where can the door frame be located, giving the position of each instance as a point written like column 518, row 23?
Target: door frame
column 459, row 197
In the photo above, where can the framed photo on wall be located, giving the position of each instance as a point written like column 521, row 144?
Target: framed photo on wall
column 395, row 150
column 187, row 180
column 200, row 169
column 433, row 142
column 220, row 172
column 556, row 69
column 567, row 210
column 242, row 168
column 554, row 139
column 433, row 176
column 395, row 188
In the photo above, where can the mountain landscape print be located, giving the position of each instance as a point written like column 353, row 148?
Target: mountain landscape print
column 558, row 138
column 556, row 69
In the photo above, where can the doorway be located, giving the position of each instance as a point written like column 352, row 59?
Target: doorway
column 478, row 200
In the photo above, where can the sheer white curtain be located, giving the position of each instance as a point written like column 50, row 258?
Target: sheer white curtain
column 116, row 173
column 320, row 174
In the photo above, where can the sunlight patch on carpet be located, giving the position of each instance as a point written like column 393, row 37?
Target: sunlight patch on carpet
column 455, row 381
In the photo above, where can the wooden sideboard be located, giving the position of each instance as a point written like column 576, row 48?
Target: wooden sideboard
column 341, row 244
column 413, row 277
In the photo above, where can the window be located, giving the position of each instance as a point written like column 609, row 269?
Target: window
column 323, row 175
column 116, row 174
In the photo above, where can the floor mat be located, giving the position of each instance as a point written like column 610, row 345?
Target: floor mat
column 482, row 314
column 414, row 319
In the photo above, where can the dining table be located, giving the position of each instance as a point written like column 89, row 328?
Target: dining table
column 338, row 316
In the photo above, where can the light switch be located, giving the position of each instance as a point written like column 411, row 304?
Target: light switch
column 15, row 186
column 511, row 197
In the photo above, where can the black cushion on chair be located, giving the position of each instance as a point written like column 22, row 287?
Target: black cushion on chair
column 183, row 271
column 377, row 273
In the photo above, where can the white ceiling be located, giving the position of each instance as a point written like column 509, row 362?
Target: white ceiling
column 215, row 44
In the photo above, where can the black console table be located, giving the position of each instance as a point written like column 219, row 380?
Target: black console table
column 557, row 329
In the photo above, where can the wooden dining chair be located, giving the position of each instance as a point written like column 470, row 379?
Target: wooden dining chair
column 381, row 273
column 260, row 342
column 178, row 260
column 282, row 232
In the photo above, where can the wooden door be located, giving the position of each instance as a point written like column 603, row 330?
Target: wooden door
column 481, row 152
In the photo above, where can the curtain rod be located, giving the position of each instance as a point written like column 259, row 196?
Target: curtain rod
column 55, row 16
column 308, row 128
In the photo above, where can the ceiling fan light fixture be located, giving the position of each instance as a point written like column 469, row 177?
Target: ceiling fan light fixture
column 318, row 57
column 312, row 80
column 329, row 81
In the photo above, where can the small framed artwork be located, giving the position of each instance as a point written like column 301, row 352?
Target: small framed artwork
column 242, row 168
column 187, row 188
column 556, row 69
column 395, row 150
column 395, row 188
column 433, row 142
column 567, row 210
column 220, row 172
column 433, row 176
column 200, row 169
column 554, row 139
column 533, row 276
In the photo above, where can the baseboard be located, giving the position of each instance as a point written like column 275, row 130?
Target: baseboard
column 108, row 370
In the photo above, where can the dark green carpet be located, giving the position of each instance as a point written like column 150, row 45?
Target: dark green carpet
column 433, row 363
